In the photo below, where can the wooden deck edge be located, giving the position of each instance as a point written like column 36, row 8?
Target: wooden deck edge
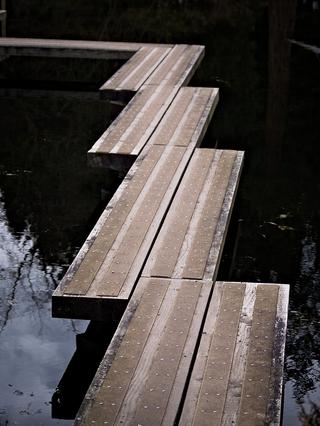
column 124, row 85
column 118, row 162
column 93, row 234
column 216, row 250
column 109, row 355
column 87, row 308
column 276, row 383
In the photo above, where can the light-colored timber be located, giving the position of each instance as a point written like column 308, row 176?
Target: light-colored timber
column 70, row 48
column 111, row 260
column 107, row 267
column 134, row 126
column 237, row 376
column 136, row 70
column 178, row 67
column 184, row 124
column 143, row 374
column 187, row 118
column 191, row 239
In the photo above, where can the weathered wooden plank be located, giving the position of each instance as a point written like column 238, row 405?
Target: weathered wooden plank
column 234, row 369
column 171, row 68
column 142, row 376
column 187, row 118
column 114, row 274
column 191, row 239
column 136, row 70
column 70, row 48
column 128, row 134
column 178, row 67
column 113, row 256
column 255, row 388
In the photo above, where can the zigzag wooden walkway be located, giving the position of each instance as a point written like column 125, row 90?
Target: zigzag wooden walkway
column 188, row 350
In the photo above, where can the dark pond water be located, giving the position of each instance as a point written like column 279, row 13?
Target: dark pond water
column 49, row 199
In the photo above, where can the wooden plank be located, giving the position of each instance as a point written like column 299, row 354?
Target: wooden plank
column 187, row 118
column 70, row 48
column 113, row 256
column 191, row 239
column 128, row 134
column 184, row 124
column 230, row 381
column 178, row 67
column 143, row 374
column 134, row 126
column 136, row 70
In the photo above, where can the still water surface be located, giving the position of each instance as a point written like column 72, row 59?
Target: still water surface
column 49, row 198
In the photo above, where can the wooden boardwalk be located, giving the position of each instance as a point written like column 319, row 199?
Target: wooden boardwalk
column 236, row 368
column 188, row 350
column 108, row 266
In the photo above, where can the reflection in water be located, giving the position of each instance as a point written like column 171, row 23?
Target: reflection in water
column 49, row 202
column 303, row 347
column 33, row 347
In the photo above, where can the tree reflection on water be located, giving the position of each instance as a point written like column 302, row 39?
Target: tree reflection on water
column 33, row 347
column 49, row 201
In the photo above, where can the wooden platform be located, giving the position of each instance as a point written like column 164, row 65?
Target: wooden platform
column 111, row 260
column 187, row 350
column 191, row 239
column 130, row 132
column 144, row 376
column 237, row 376
column 157, row 66
column 153, row 76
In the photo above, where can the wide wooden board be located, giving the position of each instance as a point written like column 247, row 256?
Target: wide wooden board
column 234, row 380
column 143, row 374
column 191, row 239
column 136, row 70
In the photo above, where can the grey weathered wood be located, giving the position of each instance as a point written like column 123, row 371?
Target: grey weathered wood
column 136, row 70
column 184, row 123
column 178, row 67
column 113, row 256
column 169, row 69
column 234, row 372
column 70, row 48
column 133, row 127
column 187, row 118
column 111, row 259
column 143, row 374
column 191, row 239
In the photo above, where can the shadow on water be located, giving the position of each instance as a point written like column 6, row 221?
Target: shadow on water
column 269, row 107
